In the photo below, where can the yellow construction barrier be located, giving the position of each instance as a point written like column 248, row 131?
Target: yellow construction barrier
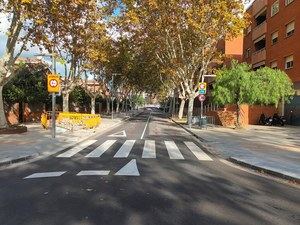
column 44, row 120
column 78, row 119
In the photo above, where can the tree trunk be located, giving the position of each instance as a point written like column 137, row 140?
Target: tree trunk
column 238, row 115
column 181, row 108
column 123, row 106
column 3, row 122
column 118, row 106
column 66, row 102
column 93, row 104
column 171, row 104
column 107, row 106
column 190, row 109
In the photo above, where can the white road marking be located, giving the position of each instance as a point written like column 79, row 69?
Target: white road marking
column 130, row 169
column 76, row 149
column 145, row 127
column 149, row 151
column 93, row 173
column 125, row 149
column 173, row 150
column 119, row 134
column 46, row 174
column 197, row 151
column 101, row 149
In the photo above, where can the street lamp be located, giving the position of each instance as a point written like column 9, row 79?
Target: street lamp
column 112, row 94
column 53, row 70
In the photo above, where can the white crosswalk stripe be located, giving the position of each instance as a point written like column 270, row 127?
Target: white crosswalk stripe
column 149, row 151
column 45, row 175
column 173, row 150
column 101, row 149
column 124, row 151
column 93, row 173
column 197, row 151
column 76, row 149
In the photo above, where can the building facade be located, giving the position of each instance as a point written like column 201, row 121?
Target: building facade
column 273, row 39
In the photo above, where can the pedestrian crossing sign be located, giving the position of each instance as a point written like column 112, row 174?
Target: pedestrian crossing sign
column 202, row 88
column 53, row 83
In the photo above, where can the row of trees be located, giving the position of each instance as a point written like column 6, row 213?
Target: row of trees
column 148, row 46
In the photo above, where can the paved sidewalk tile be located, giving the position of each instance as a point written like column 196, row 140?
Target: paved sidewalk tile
column 271, row 148
column 38, row 141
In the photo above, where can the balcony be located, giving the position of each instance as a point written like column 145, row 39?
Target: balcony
column 258, row 5
column 258, row 56
column 260, row 30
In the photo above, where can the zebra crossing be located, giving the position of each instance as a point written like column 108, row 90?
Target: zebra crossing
column 149, row 150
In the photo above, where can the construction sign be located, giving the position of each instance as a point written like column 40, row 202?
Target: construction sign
column 202, row 88
column 53, row 83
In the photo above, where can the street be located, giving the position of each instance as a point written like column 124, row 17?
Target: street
column 147, row 171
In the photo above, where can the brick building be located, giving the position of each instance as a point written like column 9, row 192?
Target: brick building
column 273, row 40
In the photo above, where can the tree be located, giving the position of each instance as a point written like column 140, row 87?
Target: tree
column 24, row 17
column 74, row 30
column 184, row 35
column 29, row 84
column 240, row 85
column 273, row 86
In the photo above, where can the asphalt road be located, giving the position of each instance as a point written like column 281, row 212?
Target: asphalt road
column 147, row 171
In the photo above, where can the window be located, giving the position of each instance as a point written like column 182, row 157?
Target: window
column 290, row 29
column 275, row 8
column 274, row 37
column 287, row 2
column 248, row 50
column 289, row 62
column 274, row 65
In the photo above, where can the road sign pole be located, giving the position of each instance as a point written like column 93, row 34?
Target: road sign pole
column 53, row 115
column 201, row 106
column 112, row 97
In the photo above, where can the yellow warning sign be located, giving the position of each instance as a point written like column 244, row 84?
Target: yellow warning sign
column 53, row 83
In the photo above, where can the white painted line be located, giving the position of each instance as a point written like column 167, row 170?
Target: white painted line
column 125, row 149
column 76, row 149
column 119, row 134
column 197, row 151
column 149, row 151
column 173, row 150
column 101, row 149
column 130, row 169
column 145, row 127
column 93, row 173
column 46, row 174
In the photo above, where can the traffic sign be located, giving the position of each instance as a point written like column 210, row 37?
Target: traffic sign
column 201, row 98
column 53, row 82
column 202, row 88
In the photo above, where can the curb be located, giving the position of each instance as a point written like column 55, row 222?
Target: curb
column 264, row 170
column 195, row 135
column 17, row 160
column 35, row 155
column 241, row 163
column 202, row 140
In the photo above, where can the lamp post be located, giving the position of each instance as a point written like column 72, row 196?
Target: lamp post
column 53, row 70
column 112, row 94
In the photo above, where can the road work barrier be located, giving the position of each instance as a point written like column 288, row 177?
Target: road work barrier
column 72, row 121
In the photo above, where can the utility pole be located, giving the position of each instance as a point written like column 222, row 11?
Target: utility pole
column 112, row 97
column 53, row 100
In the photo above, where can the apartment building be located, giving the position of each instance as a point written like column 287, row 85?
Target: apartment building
column 273, row 40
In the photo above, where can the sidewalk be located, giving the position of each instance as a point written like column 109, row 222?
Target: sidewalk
column 38, row 142
column 273, row 150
